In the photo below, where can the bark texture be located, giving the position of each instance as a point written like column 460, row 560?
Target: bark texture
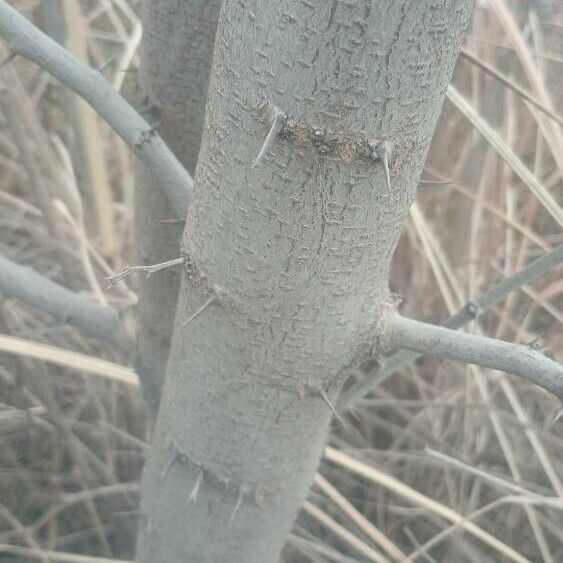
column 292, row 254
column 176, row 53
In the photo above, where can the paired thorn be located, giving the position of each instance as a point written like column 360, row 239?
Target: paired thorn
column 148, row 270
column 278, row 123
column 211, row 301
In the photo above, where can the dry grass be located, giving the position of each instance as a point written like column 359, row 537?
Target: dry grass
column 441, row 462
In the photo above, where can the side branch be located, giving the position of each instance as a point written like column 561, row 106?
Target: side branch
column 441, row 342
column 25, row 39
column 466, row 314
column 65, row 305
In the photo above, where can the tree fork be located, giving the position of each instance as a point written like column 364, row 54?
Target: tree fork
column 299, row 240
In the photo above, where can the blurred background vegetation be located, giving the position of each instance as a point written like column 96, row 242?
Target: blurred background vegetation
column 458, row 463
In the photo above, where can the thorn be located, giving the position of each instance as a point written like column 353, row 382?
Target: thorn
column 196, row 487
column 148, row 270
column 106, row 64
column 385, row 152
column 146, row 135
column 332, row 408
column 174, row 454
column 277, row 125
column 213, row 299
column 170, row 221
column 237, row 505
column 9, row 58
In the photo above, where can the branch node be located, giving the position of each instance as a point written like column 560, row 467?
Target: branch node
column 147, row 135
column 472, row 310
column 256, row 493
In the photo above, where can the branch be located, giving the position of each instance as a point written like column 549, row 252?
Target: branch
column 467, row 313
column 26, row 40
column 440, row 342
column 66, row 306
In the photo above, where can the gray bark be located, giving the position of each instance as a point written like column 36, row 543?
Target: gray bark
column 176, row 54
column 295, row 250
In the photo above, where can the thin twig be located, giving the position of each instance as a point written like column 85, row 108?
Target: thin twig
column 147, row 270
column 445, row 343
column 26, row 40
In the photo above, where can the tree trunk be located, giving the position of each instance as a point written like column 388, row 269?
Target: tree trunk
column 286, row 287
column 177, row 49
